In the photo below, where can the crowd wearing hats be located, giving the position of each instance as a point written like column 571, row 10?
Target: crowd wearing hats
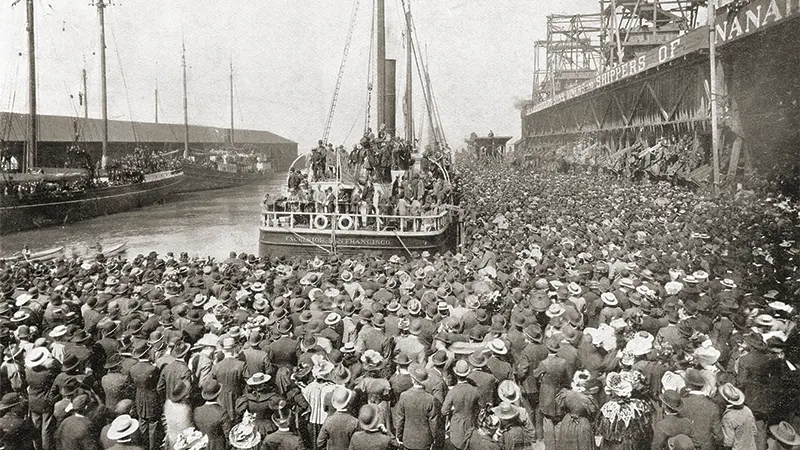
column 578, row 314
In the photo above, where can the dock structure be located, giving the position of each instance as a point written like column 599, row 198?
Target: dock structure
column 653, row 83
column 57, row 133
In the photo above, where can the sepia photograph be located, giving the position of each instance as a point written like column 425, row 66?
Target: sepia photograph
column 400, row 224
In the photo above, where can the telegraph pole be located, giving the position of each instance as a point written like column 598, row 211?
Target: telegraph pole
column 712, row 83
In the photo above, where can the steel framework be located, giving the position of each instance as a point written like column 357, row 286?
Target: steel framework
column 571, row 54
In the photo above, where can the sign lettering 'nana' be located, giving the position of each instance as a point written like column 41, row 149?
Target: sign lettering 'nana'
column 731, row 24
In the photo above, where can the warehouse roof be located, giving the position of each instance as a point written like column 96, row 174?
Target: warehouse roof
column 13, row 127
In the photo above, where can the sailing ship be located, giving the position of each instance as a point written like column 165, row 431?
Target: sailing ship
column 206, row 174
column 290, row 227
column 59, row 206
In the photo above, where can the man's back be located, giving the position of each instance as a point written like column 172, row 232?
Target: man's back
column 705, row 418
column 417, row 418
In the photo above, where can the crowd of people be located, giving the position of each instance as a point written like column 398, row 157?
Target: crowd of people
column 579, row 313
column 423, row 193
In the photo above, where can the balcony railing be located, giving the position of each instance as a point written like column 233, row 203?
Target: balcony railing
column 342, row 221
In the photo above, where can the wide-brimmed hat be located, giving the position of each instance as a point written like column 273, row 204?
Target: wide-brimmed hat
column 180, row 391
column 369, row 418
column 191, row 439
column 122, row 427
column 58, row 331
column 554, row 310
column 211, row 390
column 244, row 434
column 36, row 357
column 258, row 378
column 461, row 368
column 419, row 374
column 671, row 399
column 680, row 442
column 497, row 346
column 477, row 359
column 340, row 375
column 731, row 394
column 509, row 391
column 694, row 378
column 609, row 299
column 341, row 397
column 505, row 411
column 785, row 433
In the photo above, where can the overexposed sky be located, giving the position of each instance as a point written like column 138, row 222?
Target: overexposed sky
column 286, row 56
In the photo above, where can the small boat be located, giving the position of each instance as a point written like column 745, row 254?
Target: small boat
column 44, row 255
column 114, row 250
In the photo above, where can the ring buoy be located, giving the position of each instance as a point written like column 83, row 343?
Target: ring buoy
column 345, row 222
column 320, row 222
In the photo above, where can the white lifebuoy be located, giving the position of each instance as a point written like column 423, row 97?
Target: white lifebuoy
column 345, row 222
column 320, row 222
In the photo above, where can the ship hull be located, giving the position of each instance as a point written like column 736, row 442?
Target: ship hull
column 205, row 179
column 309, row 243
column 18, row 215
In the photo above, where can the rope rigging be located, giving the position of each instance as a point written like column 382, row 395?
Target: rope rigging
column 329, row 121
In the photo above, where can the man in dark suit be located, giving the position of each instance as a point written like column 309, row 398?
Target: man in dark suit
column 701, row 411
column 175, row 372
column 230, row 374
column 41, row 370
column 461, row 406
column 284, row 438
column 77, row 432
column 672, row 424
column 211, row 418
column 552, row 375
column 373, row 435
column 528, row 361
column 148, row 403
column 484, row 381
column 116, row 386
column 418, row 415
column 497, row 365
column 339, row 427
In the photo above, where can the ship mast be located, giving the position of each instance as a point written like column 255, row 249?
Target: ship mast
column 232, row 126
column 409, row 80
column 101, row 5
column 29, row 160
column 185, row 105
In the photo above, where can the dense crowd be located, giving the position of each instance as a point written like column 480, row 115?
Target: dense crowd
column 580, row 313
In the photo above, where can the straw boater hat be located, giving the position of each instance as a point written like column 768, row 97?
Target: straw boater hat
column 497, row 346
column 36, row 357
column 258, row 378
column 122, row 427
column 462, row 369
column 609, row 299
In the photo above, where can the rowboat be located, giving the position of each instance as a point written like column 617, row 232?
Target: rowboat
column 44, row 255
column 115, row 250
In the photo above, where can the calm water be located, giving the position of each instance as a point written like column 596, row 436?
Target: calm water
column 210, row 223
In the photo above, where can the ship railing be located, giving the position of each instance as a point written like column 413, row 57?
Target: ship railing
column 343, row 221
